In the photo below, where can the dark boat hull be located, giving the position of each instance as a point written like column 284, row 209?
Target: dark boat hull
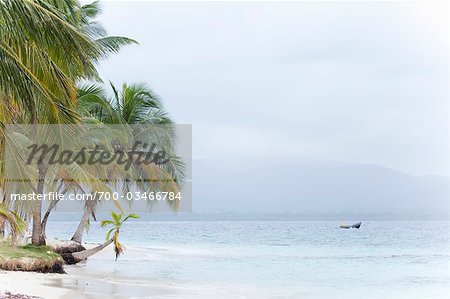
column 356, row 225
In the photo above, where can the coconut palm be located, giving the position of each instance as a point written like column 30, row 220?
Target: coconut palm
column 84, row 18
column 41, row 55
column 45, row 48
column 130, row 107
column 134, row 105
column 116, row 223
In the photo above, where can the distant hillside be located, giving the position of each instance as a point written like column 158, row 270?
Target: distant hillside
column 316, row 187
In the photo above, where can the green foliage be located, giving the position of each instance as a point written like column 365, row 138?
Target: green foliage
column 46, row 47
column 28, row 251
column 10, row 220
column 131, row 106
column 117, row 222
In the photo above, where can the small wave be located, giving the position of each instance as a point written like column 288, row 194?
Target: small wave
column 365, row 257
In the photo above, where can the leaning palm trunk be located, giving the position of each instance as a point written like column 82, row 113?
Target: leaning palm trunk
column 73, row 258
column 78, row 235
column 88, row 210
column 118, row 220
column 2, row 228
column 46, row 215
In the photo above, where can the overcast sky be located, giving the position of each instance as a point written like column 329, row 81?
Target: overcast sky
column 351, row 82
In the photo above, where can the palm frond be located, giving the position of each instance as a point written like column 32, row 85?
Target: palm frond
column 112, row 44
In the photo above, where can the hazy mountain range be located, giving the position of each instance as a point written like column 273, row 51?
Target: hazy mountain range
column 314, row 186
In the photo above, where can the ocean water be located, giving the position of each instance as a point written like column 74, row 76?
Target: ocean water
column 271, row 259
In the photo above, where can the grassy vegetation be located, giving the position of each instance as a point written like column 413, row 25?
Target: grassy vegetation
column 28, row 251
column 30, row 258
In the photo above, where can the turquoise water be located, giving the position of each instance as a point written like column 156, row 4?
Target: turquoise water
column 279, row 259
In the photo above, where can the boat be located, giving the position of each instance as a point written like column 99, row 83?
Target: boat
column 356, row 225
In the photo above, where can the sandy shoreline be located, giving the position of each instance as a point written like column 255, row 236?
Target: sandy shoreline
column 81, row 281
column 31, row 284
column 49, row 285
column 70, row 285
column 91, row 280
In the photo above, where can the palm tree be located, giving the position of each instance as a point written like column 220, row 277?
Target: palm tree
column 45, row 48
column 134, row 105
column 41, row 55
column 116, row 223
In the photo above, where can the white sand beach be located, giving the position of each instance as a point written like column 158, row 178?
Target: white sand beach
column 31, row 284
column 90, row 280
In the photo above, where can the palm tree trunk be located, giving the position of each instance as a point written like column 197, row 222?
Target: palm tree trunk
column 47, row 214
column 2, row 227
column 37, row 226
column 78, row 235
column 37, row 238
column 82, row 255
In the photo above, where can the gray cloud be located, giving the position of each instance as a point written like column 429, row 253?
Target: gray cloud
column 353, row 82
